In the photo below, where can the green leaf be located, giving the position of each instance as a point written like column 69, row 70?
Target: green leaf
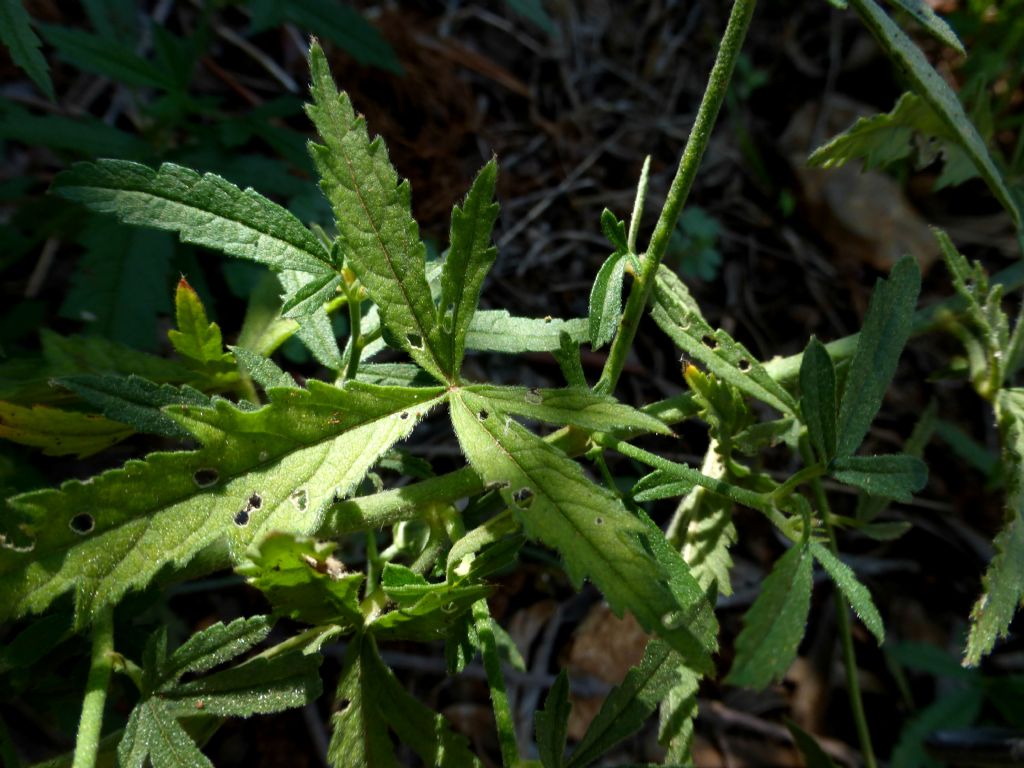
column 581, row 408
column 1003, row 582
column 958, row 708
column 496, row 330
column 58, row 432
column 204, row 210
column 606, row 300
column 303, row 580
column 261, row 685
column 658, row 485
column 23, row 45
column 245, row 481
column 774, row 624
column 856, row 594
column 380, row 237
column 263, row 370
column 552, row 723
column 425, row 610
column 596, row 536
column 121, row 283
column 308, row 297
column 135, row 401
column 678, row 710
column 628, row 706
column 939, row 96
column 887, row 327
column 102, row 56
column 196, row 338
column 315, row 330
column 69, row 355
column 469, row 259
column 818, row 402
column 709, row 531
column 891, row 476
column 83, row 136
column 347, row 28
column 678, row 316
column 373, row 703
column 814, row 756
column 932, row 22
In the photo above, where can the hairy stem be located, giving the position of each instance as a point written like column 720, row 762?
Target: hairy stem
column 700, row 135
column 496, row 682
column 90, row 726
column 355, row 338
column 843, row 622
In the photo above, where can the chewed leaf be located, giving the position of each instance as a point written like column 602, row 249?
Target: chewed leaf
column 595, row 535
column 276, row 468
column 372, row 209
column 495, row 330
column 774, row 624
column 578, row 407
column 677, row 315
column 58, row 432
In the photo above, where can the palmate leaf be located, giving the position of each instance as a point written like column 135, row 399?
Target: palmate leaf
column 261, row 685
column 495, row 330
column 23, row 45
column 1003, row 583
column 469, row 259
column 930, row 86
column 678, row 316
column 203, row 209
column 379, row 236
column 373, row 703
column 774, row 624
column 589, row 527
column 581, row 408
column 271, row 469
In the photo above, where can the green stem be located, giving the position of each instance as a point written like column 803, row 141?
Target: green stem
column 759, row 501
column 696, row 144
column 843, row 623
column 803, row 476
column 90, row 726
column 496, row 682
column 355, row 336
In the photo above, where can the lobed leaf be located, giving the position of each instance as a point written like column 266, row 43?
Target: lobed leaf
column 379, row 236
column 578, row 407
column 196, row 338
column 887, row 327
column 892, row 476
column 677, row 713
column 940, row 97
column 774, row 624
column 23, row 45
column 495, row 330
column 203, row 209
column 818, row 401
column 275, row 468
column 373, row 703
column 1003, row 582
column 304, row 581
column 470, row 257
column 709, row 531
column 595, row 535
column 678, row 316
column 856, row 594
column 213, row 646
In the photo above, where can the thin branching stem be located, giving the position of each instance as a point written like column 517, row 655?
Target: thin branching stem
column 700, row 135
column 843, row 623
column 90, row 726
